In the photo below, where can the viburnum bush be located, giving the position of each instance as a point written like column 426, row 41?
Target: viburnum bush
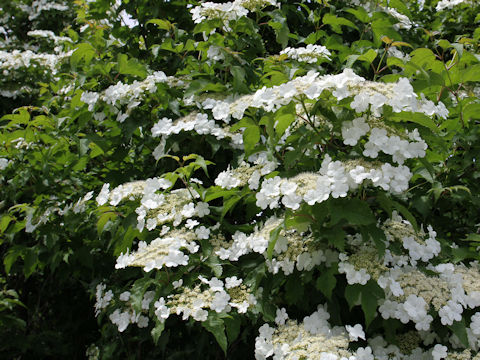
column 260, row 179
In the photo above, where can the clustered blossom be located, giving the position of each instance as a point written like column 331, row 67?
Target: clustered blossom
column 197, row 122
column 292, row 249
column 309, row 54
column 314, row 338
column 166, row 251
column 403, row 21
column 129, row 316
column 449, row 4
column 245, row 174
column 38, row 6
column 49, row 35
column 334, row 179
column 123, row 94
column 102, row 298
column 17, row 59
column 228, row 11
column 366, row 95
column 379, row 140
column 196, row 302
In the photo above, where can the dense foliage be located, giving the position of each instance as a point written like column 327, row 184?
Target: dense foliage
column 247, row 179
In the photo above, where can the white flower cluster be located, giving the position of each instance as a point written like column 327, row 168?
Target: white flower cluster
column 292, row 249
column 367, row 94
column 404, row 21
column 220, row 297
column 132, row 190
column 17, row 59
column 413, row 309
column 162, row 252
column 129, row 316
column 49, row 35
column 379, row 140
column 309, row 54
column 424, row 252
column 4, row 163
column 228, row 11
column 246, row 174
column 35, row 10
column 449, row 4
column 353, row 276
column 314, row 338
column 102, row 298
column 121, row 94
column 334, row 179
column 197, row 122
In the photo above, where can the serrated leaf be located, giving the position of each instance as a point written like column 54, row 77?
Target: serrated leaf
column 157, row 331
column 337, row 22
column 354, row 211
column 232, row 326
column 4, row 222
column 251, row 136
column 459, row 329
column 162, row 24
column 273, row 240
column 371, row 293
column 103, row 219
column 216, row 326
column 352, row 294
column 326, row 282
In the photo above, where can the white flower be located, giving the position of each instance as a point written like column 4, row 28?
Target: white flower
column 102, row 197
column 231, row 282
column 439, row 352
column 202, row 232
column 125, row 296
column 202, row 209
column 281, row 317
column 355, row 332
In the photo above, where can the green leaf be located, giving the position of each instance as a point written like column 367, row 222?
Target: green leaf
column 216, row 326
column 335, row 236
column 103, row 219
column 157, row 330
column 251, row 136
column 471, row 73
column 326, row 282
column 12, row 256
column 361, row 14
column 377, row 235
column 229, row 204
column 127, row 66
column 4, row 222
column 459, row 329
column 355, row 211
column 232, row 326
column 352, row 294
column 273, row 240
column 371, row 293
column 382, row 27
column 83, row 51
column 417, row 118
column 162, row 24
column 337, row 22
column 279, row 25
column 294, row 290
column 369, row 56
column 239, row 83
column 284, row 117
column 405, row 213
column 30, row 262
